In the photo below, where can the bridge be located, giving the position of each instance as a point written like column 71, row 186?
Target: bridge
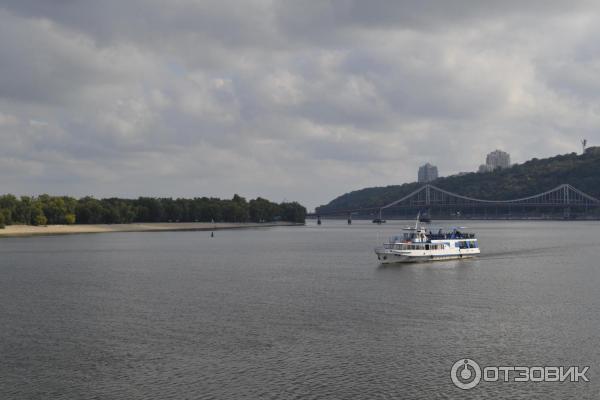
column 564, row 198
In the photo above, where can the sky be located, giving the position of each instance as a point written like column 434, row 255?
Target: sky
column 288, row 100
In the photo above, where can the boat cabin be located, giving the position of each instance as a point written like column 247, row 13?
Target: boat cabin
column 414, row 236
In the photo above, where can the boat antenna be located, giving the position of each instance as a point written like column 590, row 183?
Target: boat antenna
column 379, row 224
column 417, row 221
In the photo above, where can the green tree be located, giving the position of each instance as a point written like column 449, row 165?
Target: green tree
column 149, row 210
column 8, row 205
column 89, row 211
column 6, row 216
column 70, row 219
column 23, row 210
column 293, row 212
column 40, row 219
column 262, row 210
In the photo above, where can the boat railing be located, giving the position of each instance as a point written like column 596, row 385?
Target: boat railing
column 451, row 235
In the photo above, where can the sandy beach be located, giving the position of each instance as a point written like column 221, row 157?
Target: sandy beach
column 28, row 230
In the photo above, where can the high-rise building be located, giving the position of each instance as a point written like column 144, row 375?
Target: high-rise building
column 427, row 173
column 497, row 159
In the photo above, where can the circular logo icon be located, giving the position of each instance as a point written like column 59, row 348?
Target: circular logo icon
column 465, row 373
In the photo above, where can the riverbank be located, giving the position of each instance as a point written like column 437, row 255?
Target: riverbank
column 28, row 230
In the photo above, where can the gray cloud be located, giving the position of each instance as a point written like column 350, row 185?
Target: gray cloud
column 285, row 99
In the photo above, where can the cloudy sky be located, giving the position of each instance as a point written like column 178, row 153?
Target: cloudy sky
column 296, row 100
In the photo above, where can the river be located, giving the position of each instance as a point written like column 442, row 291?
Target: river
column 294, row 312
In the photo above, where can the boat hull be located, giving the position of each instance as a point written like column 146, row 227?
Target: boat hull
column 391, row 257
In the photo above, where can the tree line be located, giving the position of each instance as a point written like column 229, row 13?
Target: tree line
column 45, row 209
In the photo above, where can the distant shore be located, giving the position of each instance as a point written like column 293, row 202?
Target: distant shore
column 28, row 230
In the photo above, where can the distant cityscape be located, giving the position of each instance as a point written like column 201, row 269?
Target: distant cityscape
column 497, row 159
column 563, row 186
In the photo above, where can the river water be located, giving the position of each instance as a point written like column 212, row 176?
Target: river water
column 294, row 313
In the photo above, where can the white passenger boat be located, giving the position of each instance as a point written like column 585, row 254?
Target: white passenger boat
column 419, row 244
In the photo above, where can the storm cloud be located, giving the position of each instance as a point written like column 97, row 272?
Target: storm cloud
column 285, row 99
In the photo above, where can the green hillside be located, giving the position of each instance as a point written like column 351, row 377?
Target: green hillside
column 520, row 180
